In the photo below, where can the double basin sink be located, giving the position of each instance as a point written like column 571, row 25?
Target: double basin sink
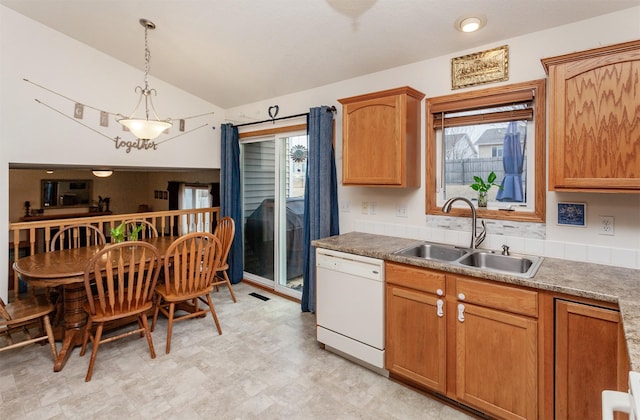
column 483, row 259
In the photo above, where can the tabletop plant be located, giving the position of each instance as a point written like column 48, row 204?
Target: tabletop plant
column 483, row 187
column 117, row 233
column 133, row 235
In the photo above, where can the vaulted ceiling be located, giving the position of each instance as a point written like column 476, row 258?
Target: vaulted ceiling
column 234, row 52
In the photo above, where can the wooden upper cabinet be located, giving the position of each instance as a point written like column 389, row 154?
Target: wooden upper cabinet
column 594, row 119
column 381, row 138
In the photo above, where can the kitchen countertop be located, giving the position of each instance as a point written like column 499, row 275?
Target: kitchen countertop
column 594, row 281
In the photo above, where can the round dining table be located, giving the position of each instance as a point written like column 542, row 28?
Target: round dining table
column 66, row 268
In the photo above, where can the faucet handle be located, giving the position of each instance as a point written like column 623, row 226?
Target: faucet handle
column 483, row 234
column 505, row 249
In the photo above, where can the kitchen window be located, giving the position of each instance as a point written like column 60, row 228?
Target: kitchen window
column 466, row 134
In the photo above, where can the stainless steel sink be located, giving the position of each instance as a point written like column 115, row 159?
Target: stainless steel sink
column 514, row 264
column 432, row 251
column 482, row 259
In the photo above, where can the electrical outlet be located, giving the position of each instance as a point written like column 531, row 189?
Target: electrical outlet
column 606, row 225
column 345, row 206
column 401, row 210
column 365, row 207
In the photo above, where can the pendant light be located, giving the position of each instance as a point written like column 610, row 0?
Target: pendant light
column 145, row 128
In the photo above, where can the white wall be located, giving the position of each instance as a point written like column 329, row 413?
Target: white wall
column 32, row 133
column 432, row 77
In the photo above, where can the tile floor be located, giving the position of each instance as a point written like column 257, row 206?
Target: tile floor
column 266, row 365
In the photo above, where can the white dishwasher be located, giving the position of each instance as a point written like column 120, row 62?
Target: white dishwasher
column 350, row 306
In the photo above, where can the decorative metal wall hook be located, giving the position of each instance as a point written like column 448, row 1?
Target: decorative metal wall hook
column 273, row 112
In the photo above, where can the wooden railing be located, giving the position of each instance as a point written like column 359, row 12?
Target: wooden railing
column 28, row 238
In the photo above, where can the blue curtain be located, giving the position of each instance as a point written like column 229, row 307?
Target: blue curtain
column 320, row 197
column 230, row 199
column 513, row 163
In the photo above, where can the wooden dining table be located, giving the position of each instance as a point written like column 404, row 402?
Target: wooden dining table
column 66, row 268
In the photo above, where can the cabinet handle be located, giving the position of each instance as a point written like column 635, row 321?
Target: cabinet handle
column 439, row 292
column 440, row 304
column 461, row 312
column 461, row 296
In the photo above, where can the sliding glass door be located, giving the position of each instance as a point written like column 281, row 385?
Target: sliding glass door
column 273, row 181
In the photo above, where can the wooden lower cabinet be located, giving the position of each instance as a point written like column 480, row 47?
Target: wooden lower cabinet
column 591, row 356
column 415, row 325
column 497, row 362
column 470, row 340
column 496, row 347
column 415, row 347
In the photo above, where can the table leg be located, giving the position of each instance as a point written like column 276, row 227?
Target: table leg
column 74, row 321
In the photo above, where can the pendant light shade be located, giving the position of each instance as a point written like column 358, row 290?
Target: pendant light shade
column 145, row 129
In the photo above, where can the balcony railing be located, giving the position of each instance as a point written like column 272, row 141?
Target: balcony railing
column 28, row 238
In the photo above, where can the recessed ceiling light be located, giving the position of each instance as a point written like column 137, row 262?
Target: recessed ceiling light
column 470, row 24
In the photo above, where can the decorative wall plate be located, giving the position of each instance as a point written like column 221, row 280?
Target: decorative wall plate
column 298, row 153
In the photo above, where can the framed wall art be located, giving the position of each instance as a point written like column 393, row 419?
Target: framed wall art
column 481, row 67
column 572, row 214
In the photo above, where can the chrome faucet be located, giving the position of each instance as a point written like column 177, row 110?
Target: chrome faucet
column 476, row 239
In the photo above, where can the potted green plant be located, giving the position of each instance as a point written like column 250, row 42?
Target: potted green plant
column 483, row 187
column 133, row 235
column 117, row 234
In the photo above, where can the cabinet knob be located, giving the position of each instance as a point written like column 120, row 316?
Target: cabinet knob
column 461, row 312
column 461, row 296
column 439, row 292
column 440, row 306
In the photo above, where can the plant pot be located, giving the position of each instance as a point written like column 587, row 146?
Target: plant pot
column 482, row 199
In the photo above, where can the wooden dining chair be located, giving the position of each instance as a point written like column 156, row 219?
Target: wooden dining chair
column 119, row 281
column 225, row 232
column 18, row 318
column 148, row 230
column 72, row 237
column 69, row 237
column 189, row 268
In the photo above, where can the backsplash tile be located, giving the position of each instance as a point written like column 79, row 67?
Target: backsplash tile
column 599, row 254
column 575, row 252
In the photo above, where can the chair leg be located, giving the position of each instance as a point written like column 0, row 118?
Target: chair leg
column 155, row 313
column 213, row 313
column 172, row 308
column 145, row 324
column 87, row 333
column 226, row 279
column 52, row 341
column 141, row 328
column 94, row 351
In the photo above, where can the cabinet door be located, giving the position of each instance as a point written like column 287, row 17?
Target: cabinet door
column 496, row 362
column 595, row 122
column 591, row 356
column 415, row 346
column 373, row 141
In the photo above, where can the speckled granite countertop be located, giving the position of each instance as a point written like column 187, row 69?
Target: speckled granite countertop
column 594, row 281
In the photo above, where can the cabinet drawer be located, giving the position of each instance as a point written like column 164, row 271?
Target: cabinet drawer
column 415, row 277
column 491, row 295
